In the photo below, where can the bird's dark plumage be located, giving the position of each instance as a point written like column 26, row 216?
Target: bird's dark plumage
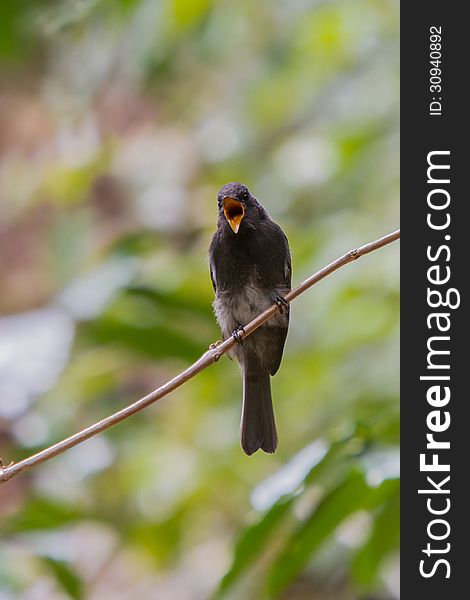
column 250, row 268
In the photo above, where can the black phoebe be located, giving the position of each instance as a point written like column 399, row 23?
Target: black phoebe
column 250, row 270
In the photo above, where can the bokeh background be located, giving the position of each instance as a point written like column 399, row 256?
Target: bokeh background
column 119, row 121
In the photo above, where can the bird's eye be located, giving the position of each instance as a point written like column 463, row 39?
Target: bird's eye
column 245, row 196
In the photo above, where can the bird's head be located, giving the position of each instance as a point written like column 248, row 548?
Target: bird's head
column 235, row 204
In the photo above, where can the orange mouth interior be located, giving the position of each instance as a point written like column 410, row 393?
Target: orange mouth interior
column 234, row 212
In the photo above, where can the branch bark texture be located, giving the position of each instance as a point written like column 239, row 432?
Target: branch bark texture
column 207, row 359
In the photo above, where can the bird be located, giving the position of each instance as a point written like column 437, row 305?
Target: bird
column 250, row 268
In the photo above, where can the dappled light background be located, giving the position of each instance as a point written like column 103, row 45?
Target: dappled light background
column 119, row 121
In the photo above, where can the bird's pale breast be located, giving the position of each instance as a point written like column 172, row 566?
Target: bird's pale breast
column 239, row 307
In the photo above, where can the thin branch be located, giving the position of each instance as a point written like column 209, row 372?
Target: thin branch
column 207, row 359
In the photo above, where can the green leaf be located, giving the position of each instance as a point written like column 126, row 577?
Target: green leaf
column 253, row 541
column 155, row 341
column 17, row 38
column 172, row 300
column 384, row 539
column 348, row 497
column 67, row 578
column 40, row 513
column 189, row 12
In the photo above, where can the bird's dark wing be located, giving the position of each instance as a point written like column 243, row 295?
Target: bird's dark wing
column 275, row 269
column 213, row 279
column 273, row 256
column 287, row 265
column 213, row 251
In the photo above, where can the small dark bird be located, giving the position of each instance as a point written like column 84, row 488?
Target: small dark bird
column 250, row 267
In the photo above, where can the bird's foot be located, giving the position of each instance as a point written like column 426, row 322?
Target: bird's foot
column 236, row 334
column 214, row 346
column 282, row 304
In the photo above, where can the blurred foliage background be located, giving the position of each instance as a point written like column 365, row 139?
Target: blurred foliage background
column 119, row 121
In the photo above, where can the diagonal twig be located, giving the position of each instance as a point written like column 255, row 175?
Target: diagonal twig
column 207, row 359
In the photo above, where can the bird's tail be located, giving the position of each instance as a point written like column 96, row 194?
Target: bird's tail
column 258, row 428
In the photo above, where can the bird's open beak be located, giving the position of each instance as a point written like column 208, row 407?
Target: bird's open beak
column 234, row 212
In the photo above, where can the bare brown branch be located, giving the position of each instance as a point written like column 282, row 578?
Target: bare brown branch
column 208, row 358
